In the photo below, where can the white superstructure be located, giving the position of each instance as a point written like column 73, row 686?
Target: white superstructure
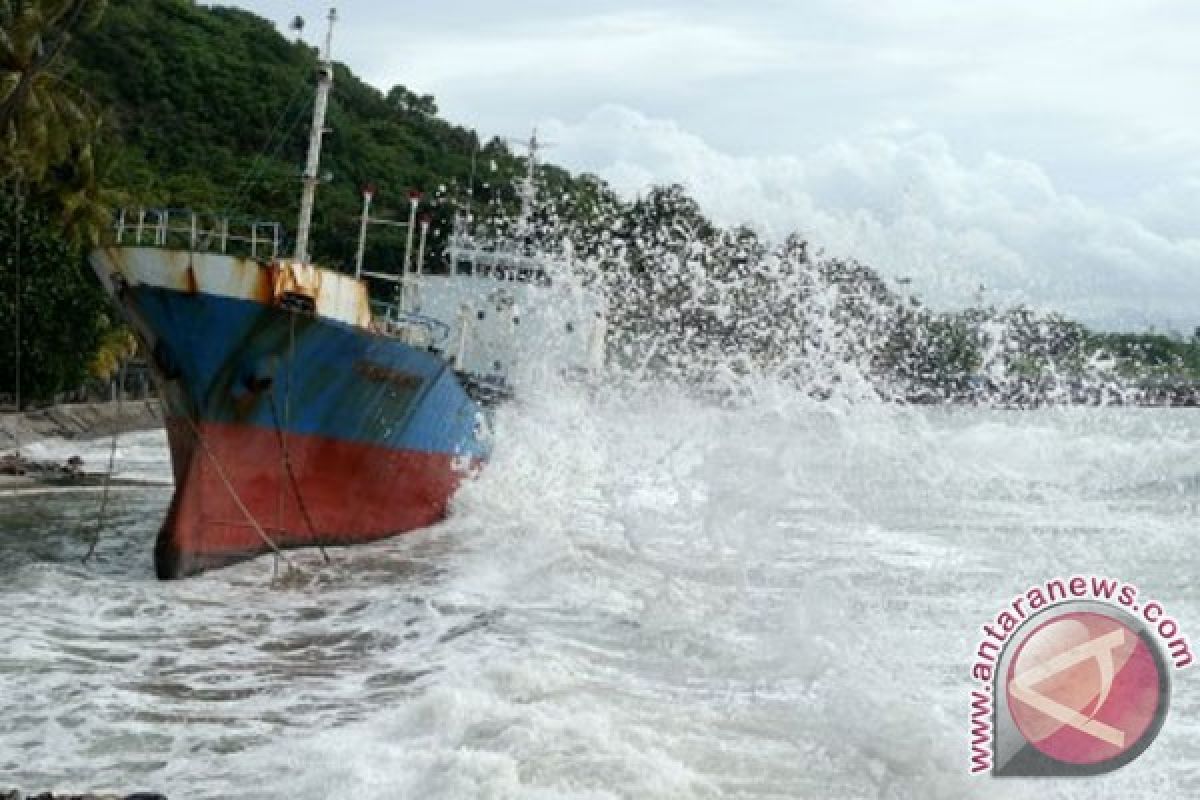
column 497, row 306
column 499, row 310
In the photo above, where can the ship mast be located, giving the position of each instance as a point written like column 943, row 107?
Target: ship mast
column 311, row 175
column 528, row 190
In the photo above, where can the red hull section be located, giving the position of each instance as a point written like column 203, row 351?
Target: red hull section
column 239, row 485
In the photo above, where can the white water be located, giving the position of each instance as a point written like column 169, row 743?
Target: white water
column 644, row 595
column 138, row 456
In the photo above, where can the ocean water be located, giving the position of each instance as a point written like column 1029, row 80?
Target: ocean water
column 645, row 595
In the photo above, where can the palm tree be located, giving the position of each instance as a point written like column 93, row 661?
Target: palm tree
column 80, row 192
column 47, row 133
column 42, row 116
column 49, row 127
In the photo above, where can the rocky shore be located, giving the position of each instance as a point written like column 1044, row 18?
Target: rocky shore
column 78, row 421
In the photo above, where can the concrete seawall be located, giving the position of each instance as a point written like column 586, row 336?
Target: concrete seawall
column 78, row 421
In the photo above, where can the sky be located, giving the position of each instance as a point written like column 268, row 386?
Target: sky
column 1039, row 153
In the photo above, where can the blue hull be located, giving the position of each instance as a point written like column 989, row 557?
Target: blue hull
column 243, row 362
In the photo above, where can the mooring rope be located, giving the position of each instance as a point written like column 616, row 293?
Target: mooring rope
column 291, row 476
column 262, row 534
column 108, row 474
column 271, row 147
column 283, row 445
column 16, row 429
column 20, row 196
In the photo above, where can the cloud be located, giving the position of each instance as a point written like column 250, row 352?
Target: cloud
column 1064, row 169
column 1172, row 207
column 1100, row 94
column 900, row 198
column 643, row 47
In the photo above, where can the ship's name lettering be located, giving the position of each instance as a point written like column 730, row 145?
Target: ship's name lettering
column 382, row 374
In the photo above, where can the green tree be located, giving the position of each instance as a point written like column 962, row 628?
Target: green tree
column 42, row 116
column 55, row 305
column 404, row 100
column 52, row 204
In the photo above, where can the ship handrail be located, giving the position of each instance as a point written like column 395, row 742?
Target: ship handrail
column 503, row 265
column 174, row 228
column 391, row 315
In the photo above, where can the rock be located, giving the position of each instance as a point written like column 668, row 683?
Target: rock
column 13, row 464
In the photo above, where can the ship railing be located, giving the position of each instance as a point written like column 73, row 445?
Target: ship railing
column 414, row 329
column 181, row 229
column 499, row 265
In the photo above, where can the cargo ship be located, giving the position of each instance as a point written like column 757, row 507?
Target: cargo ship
column 300, row 412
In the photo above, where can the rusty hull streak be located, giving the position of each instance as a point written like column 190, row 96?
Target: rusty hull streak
column 264, row 287
column 298, row 279
column 334, row 295
column 327, row 289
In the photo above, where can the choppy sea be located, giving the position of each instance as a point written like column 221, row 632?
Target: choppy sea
column 645, row 595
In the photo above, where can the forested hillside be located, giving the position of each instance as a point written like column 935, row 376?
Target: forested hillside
column 211, row 108
column 170, row 103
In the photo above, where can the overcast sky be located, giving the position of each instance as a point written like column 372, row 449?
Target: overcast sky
column 1047, row 151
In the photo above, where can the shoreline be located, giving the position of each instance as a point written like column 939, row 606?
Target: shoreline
column 79, row 421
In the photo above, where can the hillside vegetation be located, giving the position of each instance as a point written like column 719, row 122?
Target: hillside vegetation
column 169, row 103
column 211, row 108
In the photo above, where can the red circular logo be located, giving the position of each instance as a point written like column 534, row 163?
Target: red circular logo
column 1085, row 688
